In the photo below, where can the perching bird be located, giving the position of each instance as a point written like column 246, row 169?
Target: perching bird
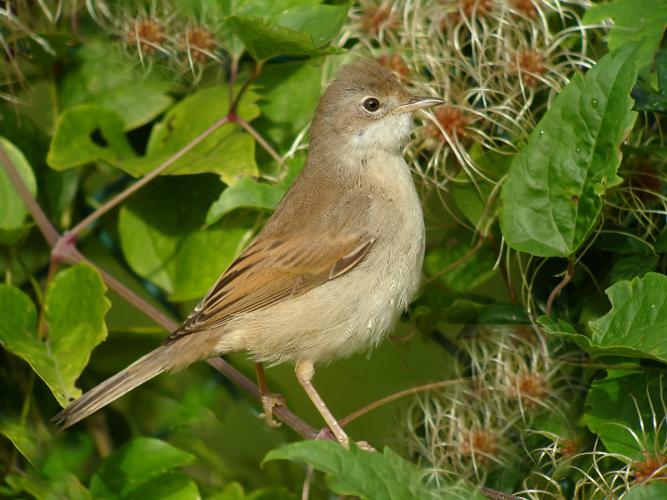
column 335, row 265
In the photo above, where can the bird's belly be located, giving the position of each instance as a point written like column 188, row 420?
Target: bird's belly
column 345, row 315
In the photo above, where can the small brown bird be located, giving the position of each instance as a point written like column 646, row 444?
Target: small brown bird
column 335, row 265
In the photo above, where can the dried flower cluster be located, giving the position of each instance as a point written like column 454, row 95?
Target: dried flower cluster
column 498, row 63
column 476, row 428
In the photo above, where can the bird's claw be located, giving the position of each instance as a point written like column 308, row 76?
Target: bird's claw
column 269, row 402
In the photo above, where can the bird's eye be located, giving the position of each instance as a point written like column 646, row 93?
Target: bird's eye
column 371, row 104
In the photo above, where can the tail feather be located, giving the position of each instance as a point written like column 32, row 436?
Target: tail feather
column 142, row 370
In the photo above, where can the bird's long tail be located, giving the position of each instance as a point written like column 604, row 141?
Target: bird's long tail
column 142, row 370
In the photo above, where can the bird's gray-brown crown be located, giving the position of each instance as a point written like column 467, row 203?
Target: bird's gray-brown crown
column 365, row 106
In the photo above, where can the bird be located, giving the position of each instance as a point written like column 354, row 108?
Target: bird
column 335, row 265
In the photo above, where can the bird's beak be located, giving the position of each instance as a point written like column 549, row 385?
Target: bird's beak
column 415, row 103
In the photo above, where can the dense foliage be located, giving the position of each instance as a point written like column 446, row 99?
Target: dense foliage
column 144, row 144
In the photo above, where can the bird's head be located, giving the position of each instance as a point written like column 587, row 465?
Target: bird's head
column 366, row 107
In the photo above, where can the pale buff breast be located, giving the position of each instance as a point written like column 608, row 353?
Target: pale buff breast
column 355, row 311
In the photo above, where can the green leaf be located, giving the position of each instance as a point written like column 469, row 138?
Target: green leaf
column 635, row 326
column 249, row 193
column 647, row 491
column 264, row 40
column 634, row 21
column 74, row 312
column 623, row 408
column 551, row 199
column 12, row 209
column 234, row 491
column 466, row 267
column 283, row 116
column 321, row 22
column 86, row 134
column 20, row 435
column 162, row 240
column 627, row 267
column 126, row 472
column 99, row 75
column 228, row 152
column 365, row 474
column 174, row 485
column 648, row 99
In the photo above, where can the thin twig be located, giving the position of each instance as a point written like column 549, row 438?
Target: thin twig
column 120, row 197
column 258, row 69
column 71, row 255
column 496, row 495
column 50, row 233
column 258, row 137
column 397, row 395
column 554, row 293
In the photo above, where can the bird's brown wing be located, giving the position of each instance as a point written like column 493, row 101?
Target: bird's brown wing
column 271, row 270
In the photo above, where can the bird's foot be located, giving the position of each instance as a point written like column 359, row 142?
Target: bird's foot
column 326, row 433
column 269, row 402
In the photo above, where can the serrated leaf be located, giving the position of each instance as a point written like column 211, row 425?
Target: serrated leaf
column 249, row 193
column 97, row 74
column 13, row 211
column 74, row 312
column 464, row 267
column 366, row 474
column 264, row 40
column 134, row 466
column 635, row 326
column 622, row 408
column 85, row 134
column 634, row 21
column 228, row 152
column 552, row 196
column 162, row 237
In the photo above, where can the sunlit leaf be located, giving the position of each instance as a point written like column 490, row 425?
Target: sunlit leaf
column 634, row 21
column 86, row 134
column 552, row 196
column 647, row 491
column 98, row 74
column 228, row 151
column 74, row 312
column 366, row 474
column 13, row 211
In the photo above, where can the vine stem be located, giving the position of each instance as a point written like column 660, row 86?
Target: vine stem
column 64, row 249
column 120, row 197
column 557, row 289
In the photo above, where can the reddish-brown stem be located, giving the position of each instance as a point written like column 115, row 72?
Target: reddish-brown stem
column 258, row 137
column 120, row 197
column 67, row 252
column 397, row 395
column 258, row 69
column 557, row 289
column 43, row 223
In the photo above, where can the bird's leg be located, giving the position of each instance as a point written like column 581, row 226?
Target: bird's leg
column 304, row 374
column 269, row 399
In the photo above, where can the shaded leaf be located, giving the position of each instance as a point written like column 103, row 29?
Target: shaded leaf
column 627, row 267
column 634, row 21
column 250, row 193
column 234, row 491
column 86, row 134
column 13, row 211
column 366, row 474
column 622, row 408
column 551, row 199
column 174, row 485
column 74, row 312
column 21, row 437
column 647, row 98
column 99, row 75
column 162, row 240
column 465, row 267
column 264, row 40
column 284, row 116
column 228, row 151
column 129, row 469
